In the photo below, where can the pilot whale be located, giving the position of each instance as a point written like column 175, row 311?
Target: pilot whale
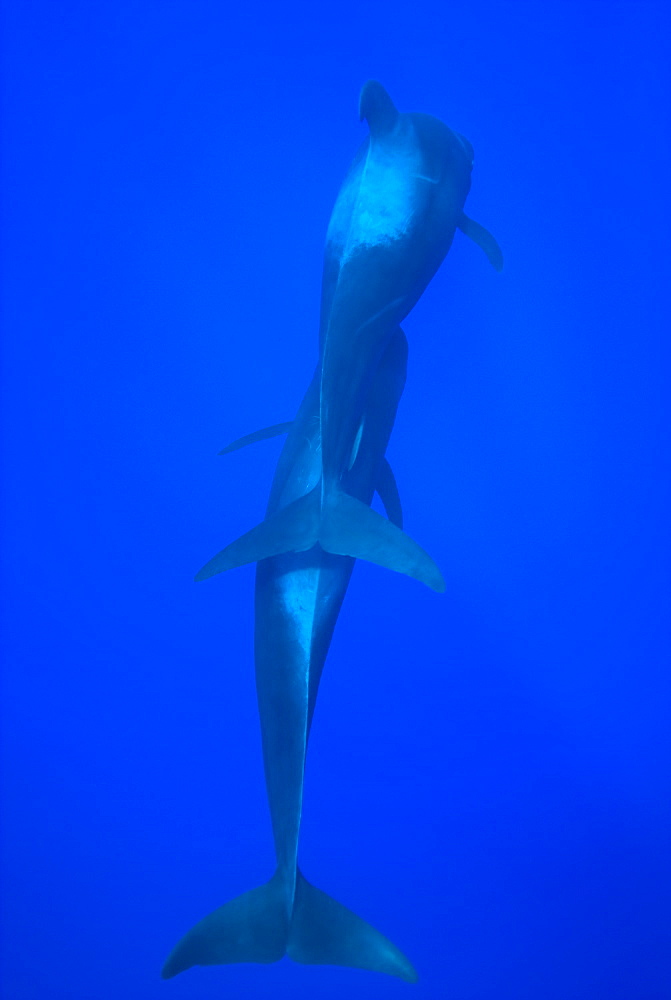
column 392, row 224
column 298, row 598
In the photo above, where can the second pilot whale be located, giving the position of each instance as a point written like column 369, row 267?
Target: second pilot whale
column 298, row 599
column 392, row 224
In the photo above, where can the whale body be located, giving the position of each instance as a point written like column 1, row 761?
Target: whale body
column 392, row 224
column 298, row 598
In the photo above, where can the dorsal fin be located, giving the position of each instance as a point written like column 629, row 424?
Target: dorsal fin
column 377, row 107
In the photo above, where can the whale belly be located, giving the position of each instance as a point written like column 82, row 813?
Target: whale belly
column 378, row 201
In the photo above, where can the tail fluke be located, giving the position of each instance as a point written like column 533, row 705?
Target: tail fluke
column 324, row 932
column 292, row 529
column 343, row 526
column 351, row 528
column 259, row 927
column 251, row 928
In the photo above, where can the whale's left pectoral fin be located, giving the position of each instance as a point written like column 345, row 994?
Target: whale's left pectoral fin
column 387, row 490
column 483, row 238
column 266, row 432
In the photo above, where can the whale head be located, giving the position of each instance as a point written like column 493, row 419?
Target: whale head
column 467, row 147
column 377, row 108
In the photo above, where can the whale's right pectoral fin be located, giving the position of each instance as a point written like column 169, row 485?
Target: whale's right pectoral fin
column 324, row 932
column 266, row 432
column 387, row 490
column 483, row 238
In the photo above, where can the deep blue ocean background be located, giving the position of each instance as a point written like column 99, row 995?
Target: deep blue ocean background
column 488, row 779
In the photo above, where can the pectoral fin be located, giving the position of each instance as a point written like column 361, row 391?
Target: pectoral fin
column 387, row 490
column 483, row 238
column 266, row 432
column 356, row 445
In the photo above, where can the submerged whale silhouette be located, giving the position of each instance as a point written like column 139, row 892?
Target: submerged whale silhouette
column 298, row 598
column 391, row 226
column 393, row 222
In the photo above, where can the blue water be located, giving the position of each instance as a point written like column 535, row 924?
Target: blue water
column 488, row 779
